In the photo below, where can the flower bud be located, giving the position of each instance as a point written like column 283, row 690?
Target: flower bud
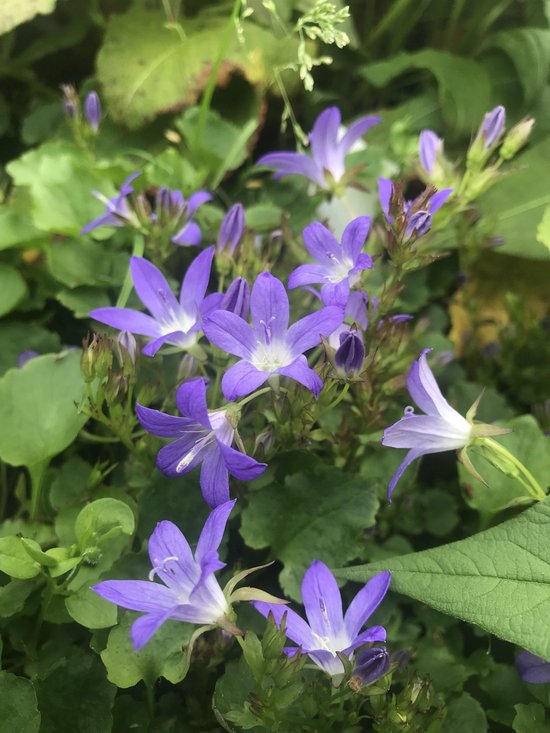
column 516, row 138
column 92, row 110
column 231, row 229
column 429, row 145
column 126, row 347
column 237, row 298
column 371, row 664
column 188, row 368
column 70, row 100
column 492, row 127
column 350, row 354
column 419, row 224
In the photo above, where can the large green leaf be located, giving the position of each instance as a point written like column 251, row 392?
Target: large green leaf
column 15, row 12
column 463, row 85
column 317, row 516
column 148, row 69
column 12, row 288
column 517, row 203
column 16, row 337
column 19, row 707
column 38, row 414
column 498, row 579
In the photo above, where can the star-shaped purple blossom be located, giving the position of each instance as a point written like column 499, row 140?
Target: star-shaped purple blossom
column 338, row 265
column 442, row 428
column 117, row 210
column 171, row 322
column 190, row 592
column 328, row 150
column 330, row 631
column 202, row 436
column 189, row 233
column 269, row 346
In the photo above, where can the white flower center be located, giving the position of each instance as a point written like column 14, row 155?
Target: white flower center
column 339, row 270
column 267, row 357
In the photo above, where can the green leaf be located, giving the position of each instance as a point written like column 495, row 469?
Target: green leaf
column 76, row 695
column 90, row 610
column 530, row 719
column 232, row 692
column 16, row 337
column 307, row 519
column 162, row 656
column 83, row 300
column 465, row 714
column 463, row 84
column 61, row 178
column 543, row 229
column 498, row 579
column 102, row 519
column 15, row 12
column 518, row 201
column 83, row 262
column 12, row 288
column 15, row 560
column 13, row 596
column 528, row 443
column 16, row 229
column 38, row 414
column 529, row 51
column 19, row 705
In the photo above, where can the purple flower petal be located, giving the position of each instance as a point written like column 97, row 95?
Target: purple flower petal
column 242, row 379
column 336, row 294
column 365, row 603
column 321, row 244
column 374, row 633
column 424, row 389
column 127, row 319
column 195, row 281
column 171, row 557
column 302, row 373
column 230, row 333
column 324, row 142
column 431, row 432
column 153, row 290
column 144, row 627
column 170, row 457
column 385, row 190
column 306, row 274
column 411, row 456
column 322, row 601
column 191, row 401
column 171, row 338
column 356, row 131
column 196, row 200
column 438, row 199
column 240, row 465
column 306, row 333
column 532, row 669
column 286, row 164
column 211, row 303
column 354, row 237
column 137, row 595
column 214, row 477
column 160, row 424
column 295, row 626
column 429, row 144
column 213, row 530
column 189, row 235
column 269, row 307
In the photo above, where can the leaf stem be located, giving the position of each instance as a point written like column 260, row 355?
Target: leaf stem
column 137, row 251
column 529, row 482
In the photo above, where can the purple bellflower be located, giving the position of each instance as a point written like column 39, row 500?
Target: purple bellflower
column 202, row 436
column 172, row 322
column 326, row 165
column 411, row 218
column 338, row 266
column 269, row 346
column 117, row 210
column 92, row 110
column 190, row 592
column 330, row 631
column 189, row 233
column 442, row 428
column 532, row 669
column 429, row 145
column 231, row 229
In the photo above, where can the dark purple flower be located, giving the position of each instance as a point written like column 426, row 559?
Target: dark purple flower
column 429, row 145
column 330, row 631
column 328, row 150
column 492, row 127
column 231, row 229
column 338, row 266
column 269, row 346
column 190, row 590
column 92, row 110
column 371, row 664
column 202, row 436
column 532, row 669
column 412, row 218
column 189, row 233
column 442, row 428
column 117, row 210
column 237, row 298
column 350, row 355
column 172, row 322
column 26, row 356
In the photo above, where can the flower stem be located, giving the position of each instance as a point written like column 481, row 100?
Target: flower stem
column 137, row 251
column 524, row 476
column 336, row 401
column 253, row 396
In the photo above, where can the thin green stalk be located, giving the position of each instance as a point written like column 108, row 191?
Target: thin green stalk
column 137, row 251
column 530, row 483
column 336, row 401
column 37, row 472
column 253, row 396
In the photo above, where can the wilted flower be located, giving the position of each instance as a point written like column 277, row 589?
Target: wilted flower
column 92, row 110
column 117, row 210
column 338, row 266
column 190, row 592
column 269, row 346
column 202, row 436
column 231, row 229
column 532, row 669
column 330, row 631
column 326, row 165
column 172, row 322
column 429, row 145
